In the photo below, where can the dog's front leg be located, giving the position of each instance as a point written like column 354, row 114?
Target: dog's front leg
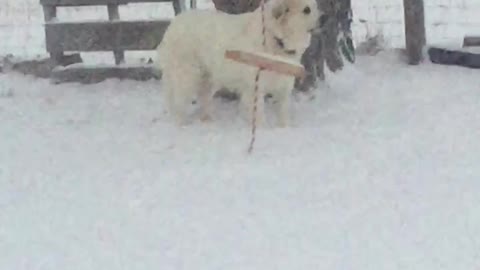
column 282, row 107
column 205, row 100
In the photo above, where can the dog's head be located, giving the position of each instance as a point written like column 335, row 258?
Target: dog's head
column 290, row 24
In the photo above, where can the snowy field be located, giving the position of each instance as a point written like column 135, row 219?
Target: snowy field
column 380, row 171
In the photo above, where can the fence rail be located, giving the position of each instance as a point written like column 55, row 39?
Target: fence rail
column 110, row 35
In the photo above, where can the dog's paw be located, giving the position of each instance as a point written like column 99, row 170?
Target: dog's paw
column 261, row 122
column 206, row 118
column 181, row 121
column 283, row 125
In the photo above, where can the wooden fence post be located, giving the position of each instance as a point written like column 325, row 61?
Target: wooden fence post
column 179, row 6
column 50, row 14
column 415, row 37
column 114, row 15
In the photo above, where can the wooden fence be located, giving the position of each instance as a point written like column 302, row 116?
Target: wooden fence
column 112, row 35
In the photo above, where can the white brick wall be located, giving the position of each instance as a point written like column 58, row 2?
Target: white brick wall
column 447, row 21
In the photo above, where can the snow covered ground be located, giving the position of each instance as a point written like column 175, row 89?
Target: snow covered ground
column 380, row 172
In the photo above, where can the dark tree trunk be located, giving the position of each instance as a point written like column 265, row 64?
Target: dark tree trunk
column 236, row 6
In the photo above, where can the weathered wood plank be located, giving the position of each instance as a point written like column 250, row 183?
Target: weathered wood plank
column 40, row 67
column 470, row 41
column 114, row 15
column 64, row 3
column 451, row 57
column 49, row 14
column 179, row 6
column 415, row 35
column 89, row 75
column 273, row 63
column 105, row 36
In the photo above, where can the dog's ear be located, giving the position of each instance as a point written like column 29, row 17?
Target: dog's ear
column 279, row 9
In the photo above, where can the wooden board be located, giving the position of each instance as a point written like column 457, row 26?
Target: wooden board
column 273, row 63
column 452, row 57
column 104, row 36
column 470, row 41
column 88, row 75
column 415, row 35
column 64, row 3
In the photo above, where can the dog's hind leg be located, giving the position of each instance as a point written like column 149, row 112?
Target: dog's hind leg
column 185, row 86
column 167, row 88
column 205, row 97
column 174, row 99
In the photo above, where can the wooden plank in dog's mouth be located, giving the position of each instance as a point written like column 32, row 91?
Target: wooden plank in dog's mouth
column 269, row 62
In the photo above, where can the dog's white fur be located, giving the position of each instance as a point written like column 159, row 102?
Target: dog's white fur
column 191, row 55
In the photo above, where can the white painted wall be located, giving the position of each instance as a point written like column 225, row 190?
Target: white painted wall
column 447, row 21
column 21, row 31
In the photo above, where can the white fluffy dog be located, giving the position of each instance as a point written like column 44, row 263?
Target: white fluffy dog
column 191, row 55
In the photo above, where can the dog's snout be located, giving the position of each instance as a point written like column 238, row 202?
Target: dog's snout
column 322, row 21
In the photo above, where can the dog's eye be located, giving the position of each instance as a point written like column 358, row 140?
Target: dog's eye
column 307, row 10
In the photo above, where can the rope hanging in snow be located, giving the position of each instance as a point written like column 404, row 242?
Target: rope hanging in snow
column 257, row 79
column 264, row 61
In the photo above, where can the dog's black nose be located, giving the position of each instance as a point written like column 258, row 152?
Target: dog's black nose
column 323, row 20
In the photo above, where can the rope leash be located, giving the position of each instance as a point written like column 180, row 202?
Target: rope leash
column 257, row 79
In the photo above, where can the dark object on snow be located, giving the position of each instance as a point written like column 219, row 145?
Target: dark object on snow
column 38, row 67
column 450, row 57
column 87, row 75
column 471, row 41
column 69, row 59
